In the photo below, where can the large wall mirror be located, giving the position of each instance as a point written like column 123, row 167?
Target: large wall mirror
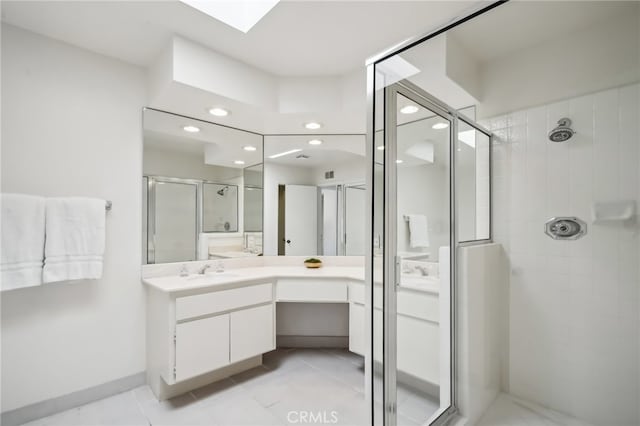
column 202, row 190
column 314, row 195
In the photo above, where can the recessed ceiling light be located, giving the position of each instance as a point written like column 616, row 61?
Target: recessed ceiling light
column 381, row 148
column 219, row 112
column 239, row 162
column 249, row 148
column 315, row 142
column 313, row 125
column 440, row 125
column 239, row 14
column 191, row 129
column 284, row 153
column 409, row 109
column 398, row 161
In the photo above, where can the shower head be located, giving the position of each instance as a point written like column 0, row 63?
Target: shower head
column 222, row 191
column 562, row 132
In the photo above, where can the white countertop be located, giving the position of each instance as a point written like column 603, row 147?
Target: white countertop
column 173, row 283
column 240, row 275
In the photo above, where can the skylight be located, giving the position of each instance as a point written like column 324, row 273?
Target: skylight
column 239, row 14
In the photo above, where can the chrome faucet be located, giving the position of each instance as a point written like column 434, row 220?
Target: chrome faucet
column 202, row 270
column 423, row 270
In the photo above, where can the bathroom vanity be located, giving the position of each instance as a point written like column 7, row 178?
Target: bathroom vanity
column 203, row 327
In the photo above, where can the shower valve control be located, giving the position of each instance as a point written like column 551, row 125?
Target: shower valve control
column 565, row 228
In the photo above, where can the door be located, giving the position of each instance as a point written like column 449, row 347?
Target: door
column 300, row 220
column 417, row 233
column 201, row 346
column 354, row 227
column 252, row 332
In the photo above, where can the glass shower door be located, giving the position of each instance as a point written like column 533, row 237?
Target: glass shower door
column 416, row 285
column 173, row 221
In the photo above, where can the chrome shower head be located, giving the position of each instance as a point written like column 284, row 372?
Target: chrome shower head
column 222, row 191
column 562, row 132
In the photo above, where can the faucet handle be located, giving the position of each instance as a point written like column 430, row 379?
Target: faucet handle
column 184, row 272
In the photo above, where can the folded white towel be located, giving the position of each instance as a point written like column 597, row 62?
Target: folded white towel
column 22, row 241
column 418, row 234
column 75, row 236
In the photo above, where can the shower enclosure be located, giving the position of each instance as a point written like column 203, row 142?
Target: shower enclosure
column 497, row 133
column 431, row 191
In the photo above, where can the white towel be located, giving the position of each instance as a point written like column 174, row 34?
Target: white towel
column 22, row 241
column 419, row 237
column 75, row 236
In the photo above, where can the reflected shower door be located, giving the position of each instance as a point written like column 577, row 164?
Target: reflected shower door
column 173, row 222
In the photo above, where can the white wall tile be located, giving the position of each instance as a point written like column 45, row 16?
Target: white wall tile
column 574, row 321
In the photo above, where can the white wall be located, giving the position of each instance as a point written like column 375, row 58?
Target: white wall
column 482, row 327
column 595, row 58
column 71, row 125
column 574, row 305
column 343, row 172
column 274, row 175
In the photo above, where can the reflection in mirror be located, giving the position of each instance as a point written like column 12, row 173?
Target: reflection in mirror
column 194, row 189
column 253, row 198
column 220, row 207
column 314, row 195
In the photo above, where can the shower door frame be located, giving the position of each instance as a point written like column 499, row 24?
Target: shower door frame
column 391, row 262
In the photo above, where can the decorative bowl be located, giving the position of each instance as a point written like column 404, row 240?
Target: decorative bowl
column 313, row 263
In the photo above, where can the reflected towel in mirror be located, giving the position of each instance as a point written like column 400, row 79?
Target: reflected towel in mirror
column 418, row 234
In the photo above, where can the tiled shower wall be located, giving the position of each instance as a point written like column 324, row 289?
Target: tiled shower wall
column 574, row 317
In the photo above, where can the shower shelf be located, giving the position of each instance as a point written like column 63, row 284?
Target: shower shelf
column 613, row 211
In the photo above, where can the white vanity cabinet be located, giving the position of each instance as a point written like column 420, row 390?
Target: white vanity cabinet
column 418, row 330
column 204, row 331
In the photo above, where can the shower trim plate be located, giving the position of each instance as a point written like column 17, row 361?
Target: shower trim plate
column 565, row 228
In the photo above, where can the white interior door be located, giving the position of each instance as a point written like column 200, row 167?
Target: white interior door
column 301, row 220
column 354, row 227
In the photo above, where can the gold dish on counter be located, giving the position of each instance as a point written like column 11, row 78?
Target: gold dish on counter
column 312, row 262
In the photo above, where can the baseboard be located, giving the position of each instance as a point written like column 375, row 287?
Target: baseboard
column 72, row 400
column 283, row 341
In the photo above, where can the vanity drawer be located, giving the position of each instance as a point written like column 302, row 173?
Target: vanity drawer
column 223, row 300
column 419, row 305
column 311, row 290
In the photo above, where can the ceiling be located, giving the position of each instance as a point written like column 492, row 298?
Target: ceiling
column 296, row 38
column 333, row 150
column 530, row 23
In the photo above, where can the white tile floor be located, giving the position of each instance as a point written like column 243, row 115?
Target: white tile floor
column 290, row 380
column 507, row 410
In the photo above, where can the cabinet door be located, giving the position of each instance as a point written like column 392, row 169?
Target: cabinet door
column 419, row 348
column 201, row 346
column 252, row 332
column 356, row 328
